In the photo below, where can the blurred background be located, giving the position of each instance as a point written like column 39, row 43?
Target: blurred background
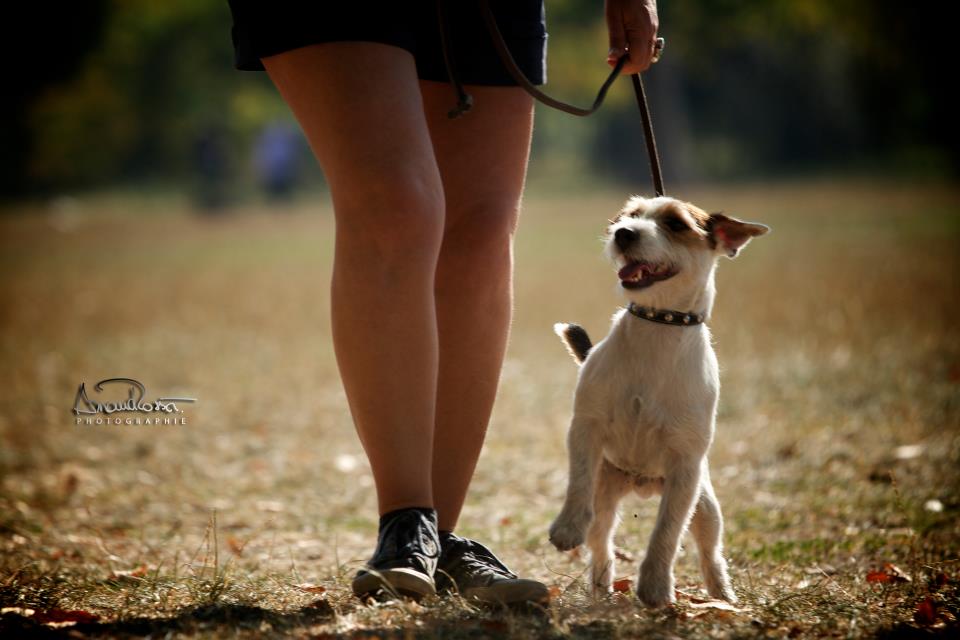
column 143, row 94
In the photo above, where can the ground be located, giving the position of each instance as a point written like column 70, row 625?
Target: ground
column 837, row 456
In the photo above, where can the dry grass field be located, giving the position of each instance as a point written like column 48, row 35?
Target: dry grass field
column 837, row 457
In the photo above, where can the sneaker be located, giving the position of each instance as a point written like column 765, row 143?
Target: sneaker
column 406, row 556
column 470, row 569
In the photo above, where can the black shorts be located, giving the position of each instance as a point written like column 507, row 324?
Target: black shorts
column 264, row 28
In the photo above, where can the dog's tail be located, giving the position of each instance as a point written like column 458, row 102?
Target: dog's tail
column 576, row 340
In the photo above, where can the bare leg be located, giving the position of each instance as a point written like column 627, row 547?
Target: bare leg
column 707, row 529
column 365, row 123
column 611, row 486
column 482, row 158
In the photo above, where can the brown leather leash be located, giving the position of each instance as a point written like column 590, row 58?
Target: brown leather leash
column 465, row 100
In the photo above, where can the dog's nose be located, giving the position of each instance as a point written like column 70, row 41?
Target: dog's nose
column 624, row 237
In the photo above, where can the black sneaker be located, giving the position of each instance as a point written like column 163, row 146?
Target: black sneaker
column 405, row 558
column 470, row 569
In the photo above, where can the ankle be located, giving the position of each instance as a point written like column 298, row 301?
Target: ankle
column 429, row 512
column 392, row 508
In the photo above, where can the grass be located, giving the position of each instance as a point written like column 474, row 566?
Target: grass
column 836, row 458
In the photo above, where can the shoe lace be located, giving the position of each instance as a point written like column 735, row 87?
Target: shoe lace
column 477, row 559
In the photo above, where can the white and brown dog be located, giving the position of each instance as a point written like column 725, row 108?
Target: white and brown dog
column 646, row 396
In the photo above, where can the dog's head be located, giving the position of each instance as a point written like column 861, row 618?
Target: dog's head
column 666, row 249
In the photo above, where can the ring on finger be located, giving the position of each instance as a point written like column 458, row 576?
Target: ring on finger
column 658, row 46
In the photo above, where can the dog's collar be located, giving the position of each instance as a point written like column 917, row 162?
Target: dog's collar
column 667, row 316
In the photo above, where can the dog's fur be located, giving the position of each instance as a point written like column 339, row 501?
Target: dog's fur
column 646, row 399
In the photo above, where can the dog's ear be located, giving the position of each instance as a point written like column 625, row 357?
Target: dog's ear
column 730, row 235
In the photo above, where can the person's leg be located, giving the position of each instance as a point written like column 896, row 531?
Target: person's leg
column 482, row 158
column 360, row 106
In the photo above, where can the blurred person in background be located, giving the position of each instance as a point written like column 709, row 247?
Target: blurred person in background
column 276, row 154
column 426, row 208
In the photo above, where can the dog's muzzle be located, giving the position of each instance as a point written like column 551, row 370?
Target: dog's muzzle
column 623, row 238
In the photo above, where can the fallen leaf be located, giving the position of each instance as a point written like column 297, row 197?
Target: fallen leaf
column 505, row 521
column 719, row 605
column 58, row 616
column 889, row 573
column 132, row 574
column 877, row 577
column 934, row 505
column 309, row 587
column 821, row 569
column 692, row 597
column 909, row 451
column 623, row 585
column 898, row 574
column 554, row 592
column 926, row 613
column 236, row 545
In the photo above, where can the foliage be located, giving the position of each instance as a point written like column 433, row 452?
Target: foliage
column 745, row 88
column 161, row 76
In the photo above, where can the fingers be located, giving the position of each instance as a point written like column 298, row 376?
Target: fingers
column 640, row 43
column 618, row 34
column 632, row 26
column 640, row 46
column 639, row 60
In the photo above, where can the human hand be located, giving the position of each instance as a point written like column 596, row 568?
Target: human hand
column 633, row 29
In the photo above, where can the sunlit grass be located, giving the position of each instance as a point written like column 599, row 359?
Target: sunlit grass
column 837, row 341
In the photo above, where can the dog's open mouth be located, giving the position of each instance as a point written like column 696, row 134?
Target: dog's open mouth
column 638, row 274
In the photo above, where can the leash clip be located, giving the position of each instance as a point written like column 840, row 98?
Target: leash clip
column 464, row 104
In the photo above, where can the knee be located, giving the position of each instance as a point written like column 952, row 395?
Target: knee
column 483, row 228
column 392, row 220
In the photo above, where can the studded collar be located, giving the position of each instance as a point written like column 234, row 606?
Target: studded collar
column 667, row 316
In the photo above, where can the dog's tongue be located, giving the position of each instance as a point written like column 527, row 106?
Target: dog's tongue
column 629, row 270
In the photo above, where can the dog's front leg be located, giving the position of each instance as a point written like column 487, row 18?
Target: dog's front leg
column 612, row 484
column 585, row 451
column 707, row 529
column 680, row 491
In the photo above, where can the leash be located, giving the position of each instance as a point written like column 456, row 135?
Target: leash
column 465, row 100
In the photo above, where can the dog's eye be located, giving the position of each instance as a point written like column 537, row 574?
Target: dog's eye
column 675, row 224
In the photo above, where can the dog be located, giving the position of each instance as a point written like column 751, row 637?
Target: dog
column 646, row 398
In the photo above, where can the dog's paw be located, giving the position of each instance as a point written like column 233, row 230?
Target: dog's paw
column 600, row 590
column 722, row 591
column 655, row 589
column 718, row 581
column 568, row 532
column 727, row 594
